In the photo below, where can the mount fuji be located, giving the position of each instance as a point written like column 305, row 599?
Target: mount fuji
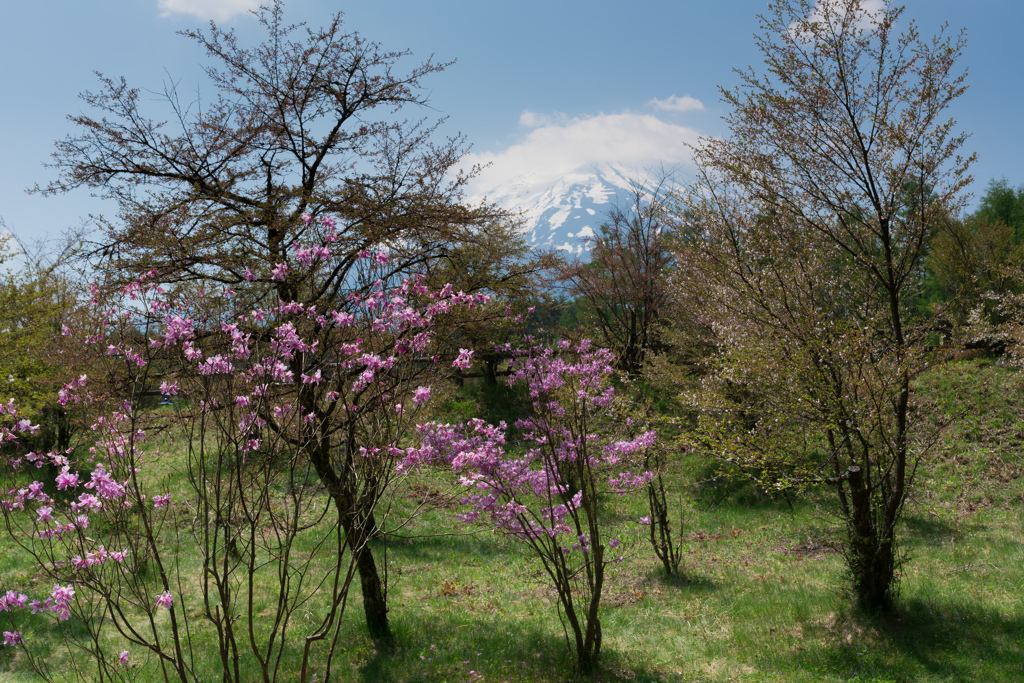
column 561, row 213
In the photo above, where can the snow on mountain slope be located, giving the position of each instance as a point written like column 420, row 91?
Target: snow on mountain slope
column 562, row 214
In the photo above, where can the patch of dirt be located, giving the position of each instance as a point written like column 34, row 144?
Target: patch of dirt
column 451, row 588
column 1002, row 471
column 815, row 547
column 630, row 589
column 847, row 630
column 965, row 507
column 623, row 598
column 426, row 495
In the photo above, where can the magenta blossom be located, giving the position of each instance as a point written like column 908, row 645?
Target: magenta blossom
column 280, row 272
column 421, row 395
column 464, row 360
column 547, row 495
column 66, row 479
column 60, row 600
column 527, row 496
column 13, row 600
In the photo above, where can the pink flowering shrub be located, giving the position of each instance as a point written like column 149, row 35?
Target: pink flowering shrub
column 280, row 403
column 549, row 497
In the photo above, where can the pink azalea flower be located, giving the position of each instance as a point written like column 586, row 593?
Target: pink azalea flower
column 421, row 395
column 165, row 599
column 13, row 600
column 464, row 360
column 66, row 479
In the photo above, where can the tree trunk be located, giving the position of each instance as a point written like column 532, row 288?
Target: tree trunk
column 63, row 429
column 358, row 528
column 491, row 371
column 589, row 653
column 871, row 558
column 587, row 656
column 374, row 604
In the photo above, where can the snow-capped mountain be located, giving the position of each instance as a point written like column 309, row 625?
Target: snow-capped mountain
column 562, row 213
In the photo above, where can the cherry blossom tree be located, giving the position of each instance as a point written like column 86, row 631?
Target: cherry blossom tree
column 808, row 255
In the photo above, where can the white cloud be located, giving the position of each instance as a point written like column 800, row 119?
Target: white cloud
column 676, row 103
column 532, row 119
column 553, row 149
column 217, row 10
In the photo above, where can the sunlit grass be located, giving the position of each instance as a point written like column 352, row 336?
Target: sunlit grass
column 763, row 594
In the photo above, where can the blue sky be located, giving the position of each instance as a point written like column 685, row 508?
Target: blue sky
column 537, row 86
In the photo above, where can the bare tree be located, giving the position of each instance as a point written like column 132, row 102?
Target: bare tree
column 623, row 283
column 299, row 124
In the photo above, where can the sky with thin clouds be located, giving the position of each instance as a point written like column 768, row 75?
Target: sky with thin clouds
column 537, row 87
column 207, row 10
column 677, row 103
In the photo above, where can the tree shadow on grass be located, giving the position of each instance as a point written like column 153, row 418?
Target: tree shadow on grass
column 717, row 484
column 689, row 582
column 443, row 547
column 951, row 640
column 436, row 648
column 928, row 528
column 924, row 638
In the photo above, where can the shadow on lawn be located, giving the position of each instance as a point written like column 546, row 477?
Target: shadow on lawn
column 481, row 544
column 689, row 581
column 943, row 641
column 718, row 484
column 929, row 529
column 951, row 640
column 431, row 649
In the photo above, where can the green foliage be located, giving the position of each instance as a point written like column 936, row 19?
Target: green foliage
column 1003, row 204
column 970, row 261
column 497, row 261
column 493, row 403
column 973, row 262
column 35, row 301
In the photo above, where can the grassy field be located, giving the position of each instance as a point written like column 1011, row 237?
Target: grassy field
column 763, row 595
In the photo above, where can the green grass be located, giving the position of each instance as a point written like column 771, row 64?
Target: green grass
column 763, row 598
